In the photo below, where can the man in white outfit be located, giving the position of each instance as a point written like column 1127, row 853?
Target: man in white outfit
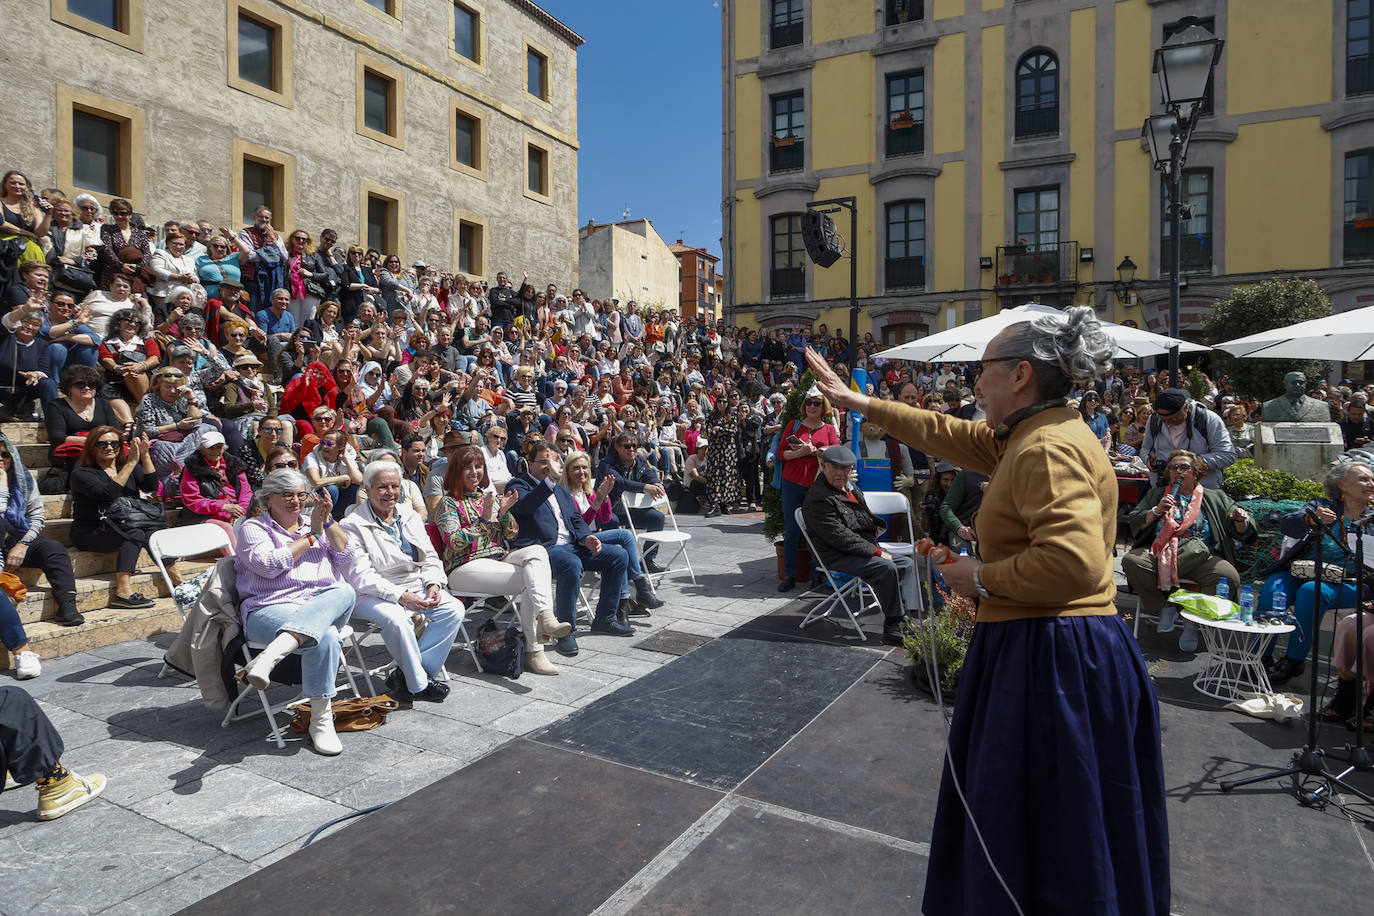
column 400, row 581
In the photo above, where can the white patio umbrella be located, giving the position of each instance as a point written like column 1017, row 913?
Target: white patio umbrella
column 968, row 341
column 1344, row 336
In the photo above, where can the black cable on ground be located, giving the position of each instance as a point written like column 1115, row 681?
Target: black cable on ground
column 339, row 820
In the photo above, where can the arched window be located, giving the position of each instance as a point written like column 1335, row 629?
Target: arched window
column 1037, row 95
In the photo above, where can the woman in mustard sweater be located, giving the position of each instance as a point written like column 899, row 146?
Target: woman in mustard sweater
column 1055, row 735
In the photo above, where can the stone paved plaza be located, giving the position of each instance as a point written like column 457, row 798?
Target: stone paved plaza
column 744, row 768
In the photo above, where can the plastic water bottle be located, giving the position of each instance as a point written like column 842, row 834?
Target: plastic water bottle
column 1223, row 589
column 963, row 551
column 1279, row 602
column 1247, row 605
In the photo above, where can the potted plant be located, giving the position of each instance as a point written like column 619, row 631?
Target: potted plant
column 950, row 631
column 1044, row 267
column 784, row 140
column 1019, row 247
column 903, row 120
column 1004, row 279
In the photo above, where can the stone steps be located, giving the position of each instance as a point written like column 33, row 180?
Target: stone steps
column 104, row 626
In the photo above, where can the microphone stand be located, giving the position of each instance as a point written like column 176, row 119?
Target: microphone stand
column 1357, row 755
column 1308, row 761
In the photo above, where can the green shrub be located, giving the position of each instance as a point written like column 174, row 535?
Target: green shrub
column 1246, row 480
column 951, row 629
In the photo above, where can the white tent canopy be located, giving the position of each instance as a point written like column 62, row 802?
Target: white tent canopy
column 1345, row 336
column 968, row 341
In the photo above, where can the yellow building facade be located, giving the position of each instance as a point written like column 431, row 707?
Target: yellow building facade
column 994, row 148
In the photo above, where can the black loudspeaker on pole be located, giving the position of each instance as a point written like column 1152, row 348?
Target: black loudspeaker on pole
column 818, row 235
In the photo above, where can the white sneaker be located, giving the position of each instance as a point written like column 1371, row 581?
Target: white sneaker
column 26, row 666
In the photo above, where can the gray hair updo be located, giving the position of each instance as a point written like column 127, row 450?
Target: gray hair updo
column 1063, row 349
column 283, row 480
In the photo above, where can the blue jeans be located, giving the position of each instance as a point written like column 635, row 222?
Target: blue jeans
column 318, row 618
column 60, row 354
column 793, row 494
column 11, row 627
column 1300, row 640
column 567, row 564
column 622, row 538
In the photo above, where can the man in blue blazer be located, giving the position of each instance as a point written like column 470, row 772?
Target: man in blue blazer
column 547, row 516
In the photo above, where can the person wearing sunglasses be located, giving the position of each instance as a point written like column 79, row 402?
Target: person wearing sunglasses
column 25, row 370
column 105, row 472
column 74, row 413
column 125, row 249
column 802, row 442
column 171, row 416
column 225, row 255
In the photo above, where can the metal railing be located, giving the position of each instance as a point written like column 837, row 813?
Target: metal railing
column 789, row 158
column 785, row 36
column 787, row 281
column 905, row 141
column 1358, row 242
column 899, row 11
column 904, row 273
column 1041, row 121
column 1196, row 256
column 1022, row 264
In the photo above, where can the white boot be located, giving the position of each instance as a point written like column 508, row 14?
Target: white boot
column 258, row 672
column 322, row 733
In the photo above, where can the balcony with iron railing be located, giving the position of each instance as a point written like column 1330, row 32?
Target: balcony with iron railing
column 787, row 282
column 1036, row 265
column 1039, row 121
column 787, row 154
column 1359, row 74
column 1359, row 240
column 905, row 138
column 1196, row 254
column 785, row 35
column 904, row 273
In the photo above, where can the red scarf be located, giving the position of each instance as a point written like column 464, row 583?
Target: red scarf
column 1165, row 547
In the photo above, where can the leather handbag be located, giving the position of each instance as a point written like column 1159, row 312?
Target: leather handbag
column 74, row 278
column 351, row 714
column 1191, row 554
column 13, row 587
column 501, row 652
column 127, row 516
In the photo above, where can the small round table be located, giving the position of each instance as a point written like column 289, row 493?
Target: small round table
column 1233, row 667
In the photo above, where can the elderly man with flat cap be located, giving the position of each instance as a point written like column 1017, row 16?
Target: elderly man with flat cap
column 845, row 535
column 1179, row 422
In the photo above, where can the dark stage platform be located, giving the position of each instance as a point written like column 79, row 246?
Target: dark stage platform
column 775, row 772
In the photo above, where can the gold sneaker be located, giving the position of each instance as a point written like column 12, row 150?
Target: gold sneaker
column 67, row 794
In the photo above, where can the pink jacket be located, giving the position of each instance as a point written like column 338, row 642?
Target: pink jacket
column 594, row 517
column 192, row 499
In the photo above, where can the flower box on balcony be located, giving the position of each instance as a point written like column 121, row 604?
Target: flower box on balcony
column 903, row 121
column 788, row 140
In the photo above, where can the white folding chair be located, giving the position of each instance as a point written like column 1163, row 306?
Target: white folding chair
column 187, row 541
column 840, row 593
column 269, row 709
column 665, row 537
column 889, row 502
column 176, row 543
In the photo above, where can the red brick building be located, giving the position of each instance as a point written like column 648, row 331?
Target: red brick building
column 699, row 281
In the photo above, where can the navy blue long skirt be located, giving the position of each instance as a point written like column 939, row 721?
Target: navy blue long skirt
column 1055, row 739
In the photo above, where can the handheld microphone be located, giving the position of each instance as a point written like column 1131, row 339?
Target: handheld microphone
column 1175, row 490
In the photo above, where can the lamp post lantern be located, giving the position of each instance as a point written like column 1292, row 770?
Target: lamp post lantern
column 1184, row 66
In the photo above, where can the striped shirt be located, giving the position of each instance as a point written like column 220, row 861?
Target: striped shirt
column 265, row 574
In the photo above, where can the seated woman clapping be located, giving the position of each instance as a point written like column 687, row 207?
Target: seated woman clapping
column 214, row 485
column 599, row 512
column 474, row 525
column 290, row 572
column 100, row 478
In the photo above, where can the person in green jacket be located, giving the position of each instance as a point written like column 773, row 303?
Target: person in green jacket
column 1162, row 524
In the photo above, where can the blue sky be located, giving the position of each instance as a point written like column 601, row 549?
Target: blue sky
column 649, row 113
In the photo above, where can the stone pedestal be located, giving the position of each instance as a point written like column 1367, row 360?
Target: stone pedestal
column 1304, row 450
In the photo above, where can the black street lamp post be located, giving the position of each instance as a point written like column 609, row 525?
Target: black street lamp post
column 1184, row 66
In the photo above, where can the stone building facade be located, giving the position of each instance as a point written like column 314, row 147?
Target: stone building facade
column 994, row 148
column 628, row 260
column 437, row 130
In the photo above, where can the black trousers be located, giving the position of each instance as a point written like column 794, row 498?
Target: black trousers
column 51, row 557
column 102, row 541
column 29, row 744
column 749, row 473
column 879, row 572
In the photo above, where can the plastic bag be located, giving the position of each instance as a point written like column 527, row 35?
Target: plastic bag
column 1211, row 607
